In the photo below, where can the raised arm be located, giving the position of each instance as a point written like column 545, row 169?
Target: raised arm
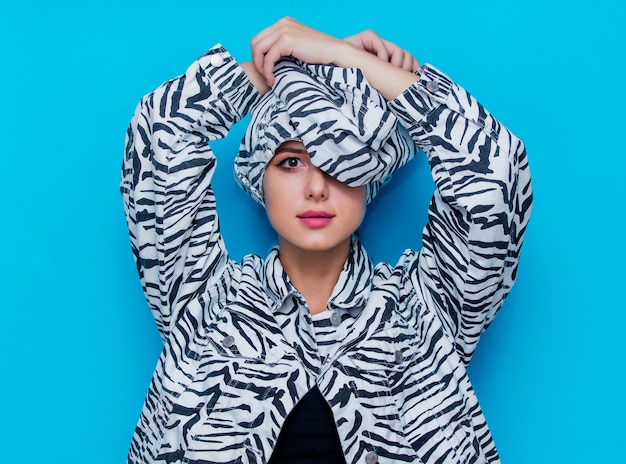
column 479, row 212
column 390, row 75
column 166, row 180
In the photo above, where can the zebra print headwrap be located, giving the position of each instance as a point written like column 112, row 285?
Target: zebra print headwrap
column 343, row 122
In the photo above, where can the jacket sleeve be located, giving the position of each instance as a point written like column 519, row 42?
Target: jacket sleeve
column 479, row 212
column 166, row 180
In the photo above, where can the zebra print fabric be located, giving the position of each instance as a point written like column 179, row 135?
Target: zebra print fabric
column 341, row 120
column 240, row 347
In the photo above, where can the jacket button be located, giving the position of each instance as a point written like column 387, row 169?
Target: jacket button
column 399, row 357
column 371, row 458
column 228, row 341
column 216, row 60
column 432, row 86
column 335, row 319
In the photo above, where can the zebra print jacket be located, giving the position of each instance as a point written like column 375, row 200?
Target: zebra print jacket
column 389, row 355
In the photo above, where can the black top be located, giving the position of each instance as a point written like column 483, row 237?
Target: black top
column 309, row 435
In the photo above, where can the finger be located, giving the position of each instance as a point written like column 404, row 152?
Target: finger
column 377, row 46
column 258, row 50
column 416, row 65
column 257, row 59
column 407, row 63
column 370, row 42
column 397, row 58
column 267, row 39
column 268, row 43
column 271, row 58
column 396, row 54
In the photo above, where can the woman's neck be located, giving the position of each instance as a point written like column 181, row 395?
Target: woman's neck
column 314, row 273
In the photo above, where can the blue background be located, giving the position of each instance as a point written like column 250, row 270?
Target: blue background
column 77, row 342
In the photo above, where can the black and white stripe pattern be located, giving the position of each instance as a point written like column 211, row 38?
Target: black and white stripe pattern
column 342, row 121
column 239, row 344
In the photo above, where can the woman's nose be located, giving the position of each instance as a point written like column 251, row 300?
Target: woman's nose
column 317, row 184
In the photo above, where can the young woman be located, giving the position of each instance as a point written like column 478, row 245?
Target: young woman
column 313, row 353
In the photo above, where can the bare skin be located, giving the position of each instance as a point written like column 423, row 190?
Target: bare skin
column 314, row 274
column 387, row 67
column 311, row 250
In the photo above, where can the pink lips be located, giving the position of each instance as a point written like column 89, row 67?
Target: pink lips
column 315, row 219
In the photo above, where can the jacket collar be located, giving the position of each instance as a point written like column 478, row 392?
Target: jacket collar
column 351, row 291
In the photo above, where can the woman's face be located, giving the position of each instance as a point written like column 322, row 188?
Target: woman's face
column 309, row 210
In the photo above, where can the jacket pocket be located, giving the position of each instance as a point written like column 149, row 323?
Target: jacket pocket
column 240, row 338
column 383, row 358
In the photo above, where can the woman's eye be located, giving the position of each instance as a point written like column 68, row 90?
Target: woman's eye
column 291, row 163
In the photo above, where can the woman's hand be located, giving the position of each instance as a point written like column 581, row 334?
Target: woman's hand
column 387, row 51
column 288, row 37
column 387, row 67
